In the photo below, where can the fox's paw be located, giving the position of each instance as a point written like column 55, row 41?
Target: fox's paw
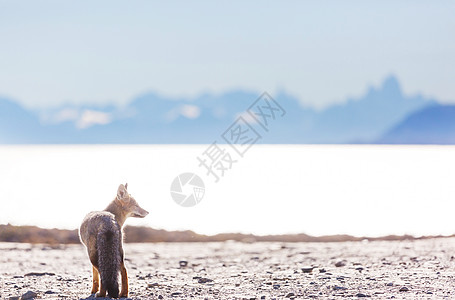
column 100, row 295
column 123, row 294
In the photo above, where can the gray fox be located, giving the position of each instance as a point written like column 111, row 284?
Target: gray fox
column 101, row 233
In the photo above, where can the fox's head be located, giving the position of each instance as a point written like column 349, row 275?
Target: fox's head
column 128, row 204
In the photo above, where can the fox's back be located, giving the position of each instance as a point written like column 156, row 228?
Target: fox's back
column 94, row 223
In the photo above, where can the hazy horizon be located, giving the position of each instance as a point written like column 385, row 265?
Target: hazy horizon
column 274, row 189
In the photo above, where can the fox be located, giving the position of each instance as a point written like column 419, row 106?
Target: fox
column 101, row 233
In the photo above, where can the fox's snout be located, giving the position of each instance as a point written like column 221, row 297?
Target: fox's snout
column 140, row 212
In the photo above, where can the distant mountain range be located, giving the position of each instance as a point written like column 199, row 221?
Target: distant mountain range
column 434, row 124
column 382, row 115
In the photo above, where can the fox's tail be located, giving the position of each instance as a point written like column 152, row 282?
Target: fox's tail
column 109, row 261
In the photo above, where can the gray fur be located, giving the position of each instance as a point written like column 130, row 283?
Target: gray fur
column 102, row 235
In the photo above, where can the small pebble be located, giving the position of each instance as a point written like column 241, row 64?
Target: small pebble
column 183, row 263
column 340, row 263
column 361, row 295
column 307, row 269
column 204, row 280
column 29, row 295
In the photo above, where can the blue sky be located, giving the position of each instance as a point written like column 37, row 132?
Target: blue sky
column 85, row 52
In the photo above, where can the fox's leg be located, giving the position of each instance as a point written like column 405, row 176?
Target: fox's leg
column 96, row 280
column 124, row 293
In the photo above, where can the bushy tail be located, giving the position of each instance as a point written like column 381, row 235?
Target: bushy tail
column 109, row 261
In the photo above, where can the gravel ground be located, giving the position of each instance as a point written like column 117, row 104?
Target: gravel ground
column 400, row 269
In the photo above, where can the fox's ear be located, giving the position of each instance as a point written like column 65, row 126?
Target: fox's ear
column 121, row 192
column 126, row 186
